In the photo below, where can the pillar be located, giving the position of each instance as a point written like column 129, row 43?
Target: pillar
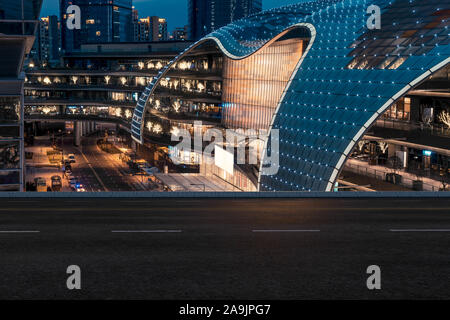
column 77, row 132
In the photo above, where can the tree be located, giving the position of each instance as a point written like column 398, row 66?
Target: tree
column 383, row 146
column 444, row 117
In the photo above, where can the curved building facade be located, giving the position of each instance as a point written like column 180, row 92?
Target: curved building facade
column 315, row 73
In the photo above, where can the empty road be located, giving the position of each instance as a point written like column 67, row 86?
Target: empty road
column 224, row 248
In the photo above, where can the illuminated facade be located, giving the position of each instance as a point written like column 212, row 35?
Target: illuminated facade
column 102, row 82
column 347, row 77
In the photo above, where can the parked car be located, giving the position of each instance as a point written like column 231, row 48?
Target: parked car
column 56, row 183
column 73, row 183
column 71, row 158
column 41, row 184
column 67, row 173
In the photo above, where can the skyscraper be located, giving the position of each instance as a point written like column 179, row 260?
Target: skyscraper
column 206, row 16
column 159, row 29
column 180, row 33
column 48, row 40
column 101, row 21
column 150, row 29
column 18, row 21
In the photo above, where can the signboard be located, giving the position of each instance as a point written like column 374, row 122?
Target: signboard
column 223, row 159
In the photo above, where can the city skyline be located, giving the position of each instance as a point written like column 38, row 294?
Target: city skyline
column 175, row 18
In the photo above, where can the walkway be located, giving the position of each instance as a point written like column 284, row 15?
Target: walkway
column 379, row 172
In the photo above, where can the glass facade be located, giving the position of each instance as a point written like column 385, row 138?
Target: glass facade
column 252, row 87
column 102, row 21
column 348, row 78
column 16, row 16
column 206, row 16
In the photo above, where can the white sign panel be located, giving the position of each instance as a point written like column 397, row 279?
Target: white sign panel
column 224, row 159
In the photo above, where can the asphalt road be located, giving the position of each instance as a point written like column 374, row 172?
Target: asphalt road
column 224, row 248
column 94, row 170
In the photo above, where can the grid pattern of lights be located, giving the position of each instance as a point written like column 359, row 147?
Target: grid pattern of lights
column 346, row 81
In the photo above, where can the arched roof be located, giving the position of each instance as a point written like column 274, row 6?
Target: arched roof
column 347, row 79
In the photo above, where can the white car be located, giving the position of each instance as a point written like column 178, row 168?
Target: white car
column 71, row 158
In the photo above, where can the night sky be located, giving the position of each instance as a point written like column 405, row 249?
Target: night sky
column 174, row 10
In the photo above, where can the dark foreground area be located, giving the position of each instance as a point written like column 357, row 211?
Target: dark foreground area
column 224, row 248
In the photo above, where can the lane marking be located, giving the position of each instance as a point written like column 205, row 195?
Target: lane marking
column 419, row 230
column 189, row 201
column 19, row 231
column 95, row 173
column 285, row 231
column 169, row 206
column 146, row 231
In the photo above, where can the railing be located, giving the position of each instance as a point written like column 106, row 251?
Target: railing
column 431, row 129
column 84, row 87
column 381, row 175
column 30, row 100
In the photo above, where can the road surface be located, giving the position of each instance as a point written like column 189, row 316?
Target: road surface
column 96, row 172
column 224, row 248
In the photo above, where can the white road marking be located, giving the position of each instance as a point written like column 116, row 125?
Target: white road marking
column 146, row 231
column 285, row 230
column 93, row 171
column 19, row 231
column 419, row 230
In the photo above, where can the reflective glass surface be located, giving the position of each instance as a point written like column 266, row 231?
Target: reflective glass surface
column 348, row 78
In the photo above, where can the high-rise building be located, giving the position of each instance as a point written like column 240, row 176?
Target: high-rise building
column 47, row 44
column 205, row 16
column 18, row 22
column 180, row 33
column 135, row 22
column 159, row 29
column 150, row 29
column 142, row 30
column 102, row 21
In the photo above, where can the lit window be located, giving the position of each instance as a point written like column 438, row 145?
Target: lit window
column 98, row 33
column 90, row 21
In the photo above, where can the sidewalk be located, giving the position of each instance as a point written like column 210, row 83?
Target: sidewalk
column 40, row 158
column 379, row 172
column 40, row 166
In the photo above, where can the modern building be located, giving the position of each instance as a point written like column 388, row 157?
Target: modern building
column 47, row 44
column 99, row 83
column 101, row 21
column 18, row 23
column 206, row 16
column 150, row 29
column 319, row 86
column 180, row 33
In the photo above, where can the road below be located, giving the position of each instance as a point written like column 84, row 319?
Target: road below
column 224, row 248
column 95, row 170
